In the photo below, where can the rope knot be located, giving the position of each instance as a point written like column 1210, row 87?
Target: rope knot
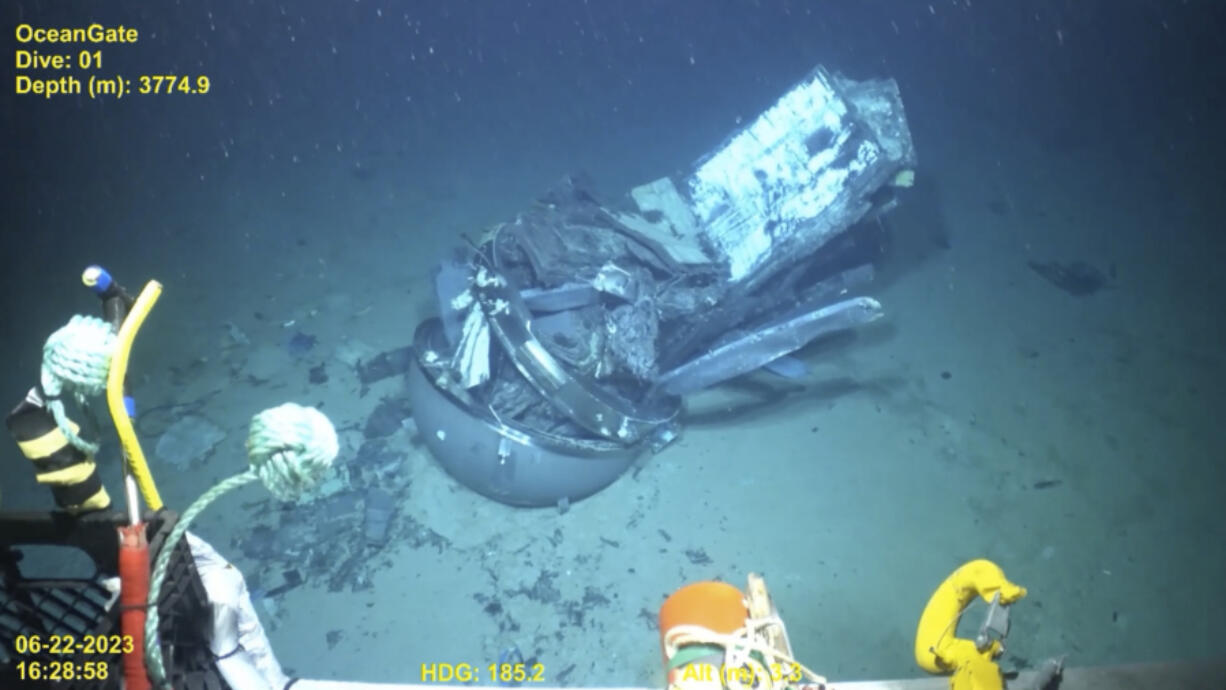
column 290, row 448
column 76, row 359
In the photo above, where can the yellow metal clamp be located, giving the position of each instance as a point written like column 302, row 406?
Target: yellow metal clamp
column 938, row 650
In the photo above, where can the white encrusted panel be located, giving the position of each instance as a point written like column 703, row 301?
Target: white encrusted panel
column 662, row 195
column 765, row 177
column 471, row 360
column 878, row 105
column 828, row 181
column 676, row 232
column 742, row 241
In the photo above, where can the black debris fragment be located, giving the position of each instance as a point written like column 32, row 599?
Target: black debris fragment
column 377, row 463
column 543, row 590
column 418, row 535
column 593, row 597
column 573, row 613
column 493, row 607
column 350, row 574
column 289, row 580
column 379, row 510
column 698, row 556
column 333, row 637
column 1077, row 278
column 299, row 344
column 648, row 618
column 385, row 365
column 387, row 418
column 318, row 374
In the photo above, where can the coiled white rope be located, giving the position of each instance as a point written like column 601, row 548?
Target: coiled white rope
column 76, row 360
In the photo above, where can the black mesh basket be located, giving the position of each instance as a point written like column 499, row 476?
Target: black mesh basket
column 50, row 608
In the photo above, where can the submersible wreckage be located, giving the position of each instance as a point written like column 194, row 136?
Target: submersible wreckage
column 567, row 338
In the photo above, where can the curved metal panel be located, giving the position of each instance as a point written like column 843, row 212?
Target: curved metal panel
column 508, row 463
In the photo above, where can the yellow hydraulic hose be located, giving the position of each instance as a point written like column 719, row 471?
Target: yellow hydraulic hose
column 114, row 394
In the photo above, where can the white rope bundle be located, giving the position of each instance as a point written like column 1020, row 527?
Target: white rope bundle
column 290, row 447
column 76, row 359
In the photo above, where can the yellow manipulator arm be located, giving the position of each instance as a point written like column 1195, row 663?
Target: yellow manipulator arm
column 937, row 650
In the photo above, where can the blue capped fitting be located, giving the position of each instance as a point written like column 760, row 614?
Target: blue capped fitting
column 97, row 278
